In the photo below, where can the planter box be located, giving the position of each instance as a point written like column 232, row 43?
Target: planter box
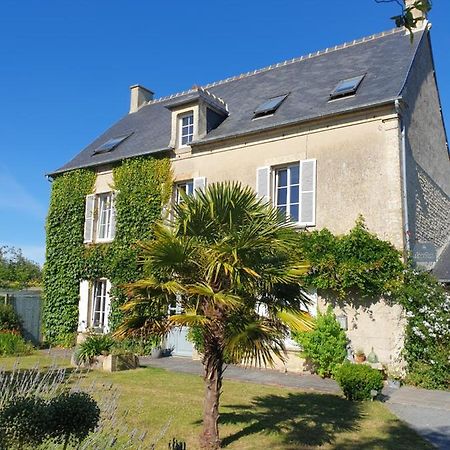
column 113, row 363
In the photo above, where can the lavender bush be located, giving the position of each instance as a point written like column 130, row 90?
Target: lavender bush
column 111, row 431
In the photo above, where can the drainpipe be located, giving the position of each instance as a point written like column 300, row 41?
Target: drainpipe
column 398, row 109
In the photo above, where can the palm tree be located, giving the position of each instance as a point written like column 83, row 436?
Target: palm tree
column 234, row 266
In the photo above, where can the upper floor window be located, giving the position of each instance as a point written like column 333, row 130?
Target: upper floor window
column 100, row 222
column 287, row 191
column 186, row 128
column 291, row 189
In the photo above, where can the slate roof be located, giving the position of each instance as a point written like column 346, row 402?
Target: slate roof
column 385, row 59
column 441, row 269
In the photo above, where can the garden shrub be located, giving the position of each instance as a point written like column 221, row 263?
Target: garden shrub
column 73, row 416
column 43, row 387
column 9, row 320
column 325, row 346
column 95, row 345
column 358, row 380
column 24, row 421
column 12, row 344
column 427, row 341
column 135, row 346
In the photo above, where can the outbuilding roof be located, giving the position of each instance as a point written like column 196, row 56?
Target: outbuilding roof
column 384, row 59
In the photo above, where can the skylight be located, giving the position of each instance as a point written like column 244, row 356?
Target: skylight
column 269, row 106
column 346, row 87
column 110, row 144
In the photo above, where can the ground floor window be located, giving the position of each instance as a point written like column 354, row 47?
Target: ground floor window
column 94, row 305
column 98, row 305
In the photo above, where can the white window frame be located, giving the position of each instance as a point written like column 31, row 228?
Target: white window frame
column 93, row 218
column 275, row 171
column 188, row 186
column 104, row 300
column 100, row 201
column 181, row 127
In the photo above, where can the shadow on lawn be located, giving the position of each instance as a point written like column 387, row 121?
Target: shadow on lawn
column 298, row 418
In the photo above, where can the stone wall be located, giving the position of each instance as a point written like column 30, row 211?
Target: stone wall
column 432, row 210
column 427, row 157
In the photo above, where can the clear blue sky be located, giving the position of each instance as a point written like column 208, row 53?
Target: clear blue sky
column 66, row 67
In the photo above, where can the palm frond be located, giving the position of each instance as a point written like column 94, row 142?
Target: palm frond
column 256, row 343
column 296, row 321
column 189, row 319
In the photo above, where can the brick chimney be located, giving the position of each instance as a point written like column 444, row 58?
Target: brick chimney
column 415, row 12
column 139, row 97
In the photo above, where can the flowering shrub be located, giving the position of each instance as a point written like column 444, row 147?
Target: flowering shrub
column 427, row 343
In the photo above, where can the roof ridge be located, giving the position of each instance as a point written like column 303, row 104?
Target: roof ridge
column 280, row 64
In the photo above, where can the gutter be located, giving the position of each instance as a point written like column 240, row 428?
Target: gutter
column 111, row 161
column 302, row 121
column 398, row 108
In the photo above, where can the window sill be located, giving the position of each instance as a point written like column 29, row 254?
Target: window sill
column 99, row 241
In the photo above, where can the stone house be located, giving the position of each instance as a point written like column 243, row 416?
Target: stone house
column 353, row 129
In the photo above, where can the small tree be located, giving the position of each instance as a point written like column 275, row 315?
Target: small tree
column 326, row 345
column 73, row 416
column 233, row 264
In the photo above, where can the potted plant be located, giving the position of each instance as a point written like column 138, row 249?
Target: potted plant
column 156, row 351
column 394, row 378
column 360, row 356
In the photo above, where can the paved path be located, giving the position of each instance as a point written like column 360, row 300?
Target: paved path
column 258, row 376
column 428, row 412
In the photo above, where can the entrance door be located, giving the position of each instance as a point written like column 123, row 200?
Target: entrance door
column 177, row 341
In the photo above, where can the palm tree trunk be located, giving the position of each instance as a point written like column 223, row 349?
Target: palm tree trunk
column 209, row 439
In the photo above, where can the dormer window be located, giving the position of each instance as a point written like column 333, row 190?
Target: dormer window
column 194, row 115
column 186, row 128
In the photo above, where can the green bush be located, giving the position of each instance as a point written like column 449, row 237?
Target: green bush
column 358, row 380
column 23, row 422
column 31, row 421
column 93, row 346
column 135, row 346
column 73, row 416
column 9, row 320
column 12, row 344
column 435, row 375
column 325, row 346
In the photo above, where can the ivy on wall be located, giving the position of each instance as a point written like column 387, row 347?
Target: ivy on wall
column 358, row 260
column 64, row 254
column 142, row 186
column 361, row 262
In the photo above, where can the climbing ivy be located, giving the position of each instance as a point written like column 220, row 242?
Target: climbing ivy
column 64, row 254
column 358, row 260
column 361, row 262
column 142, row 186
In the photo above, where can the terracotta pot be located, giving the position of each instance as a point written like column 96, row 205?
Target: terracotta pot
column 360, row 358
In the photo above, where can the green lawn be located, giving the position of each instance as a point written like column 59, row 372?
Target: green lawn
column 252, row 416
